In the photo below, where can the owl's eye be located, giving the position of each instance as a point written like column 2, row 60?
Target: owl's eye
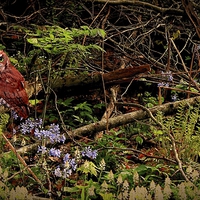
column 1, row 58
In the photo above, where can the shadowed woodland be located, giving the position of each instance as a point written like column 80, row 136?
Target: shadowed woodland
column 113, row 89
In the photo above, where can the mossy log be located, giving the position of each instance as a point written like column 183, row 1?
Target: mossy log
column 94, row 80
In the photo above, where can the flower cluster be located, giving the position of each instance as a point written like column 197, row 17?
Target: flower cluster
column 55, row 152
column 88, row 152
column 30, row 125
column 168, row 77
column 52, row 133
column 42, row 149
column 70, row 164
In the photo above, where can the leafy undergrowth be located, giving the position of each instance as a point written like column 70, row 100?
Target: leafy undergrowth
column 142, row 160
column 136, row 161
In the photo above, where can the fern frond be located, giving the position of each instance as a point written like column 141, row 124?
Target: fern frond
column 185, row 127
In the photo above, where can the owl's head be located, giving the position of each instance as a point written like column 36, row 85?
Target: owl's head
column 4, row 61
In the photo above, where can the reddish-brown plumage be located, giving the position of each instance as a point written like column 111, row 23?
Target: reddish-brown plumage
column 12, row 89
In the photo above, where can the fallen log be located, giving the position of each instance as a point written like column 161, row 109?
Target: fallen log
column 94, row 80
column 127, row 118
column 123, row 119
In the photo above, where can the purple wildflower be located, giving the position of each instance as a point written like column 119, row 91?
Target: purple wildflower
column 166, row 85
column 58, row 172
column 42, row 149
column 53, row 133
column 14, row 131
column 54, row 128
column 88, row 152
column 73, row 164
column 53, row 137
column 66, row 157
column 38, row 134
column 161, row 84
column 14, row 115
column 168, row 77
column 29, row 125
column 62, row 138
column 69, row 163
column 54, row 152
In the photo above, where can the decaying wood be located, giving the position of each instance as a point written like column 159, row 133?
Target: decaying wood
column 95, row 79
column 130, row 117
column 119, row 74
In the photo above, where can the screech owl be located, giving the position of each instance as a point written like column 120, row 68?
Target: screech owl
column 12, row 87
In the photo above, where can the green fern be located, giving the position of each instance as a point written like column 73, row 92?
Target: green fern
column 57, row 40
column 189, row 136
column 180, row 118
column 185, row 127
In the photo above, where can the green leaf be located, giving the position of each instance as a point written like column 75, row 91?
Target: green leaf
column 99, row 105
column 14, row 61
column 32, row 40
column 33, row 102
column 71, row 189
column 2, row 47
column 51, row 36
column 88, row 167
column 107, row 196
column 139, row 140
column 67, row 102
column 102, row 33
column 141, row 169
column 158, row 132
column 193, row 90
column 149, row 105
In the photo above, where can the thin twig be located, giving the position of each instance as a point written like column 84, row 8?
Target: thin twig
column 184, row 66
column 140, row 152
column 22, row 161
column 177, row 157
